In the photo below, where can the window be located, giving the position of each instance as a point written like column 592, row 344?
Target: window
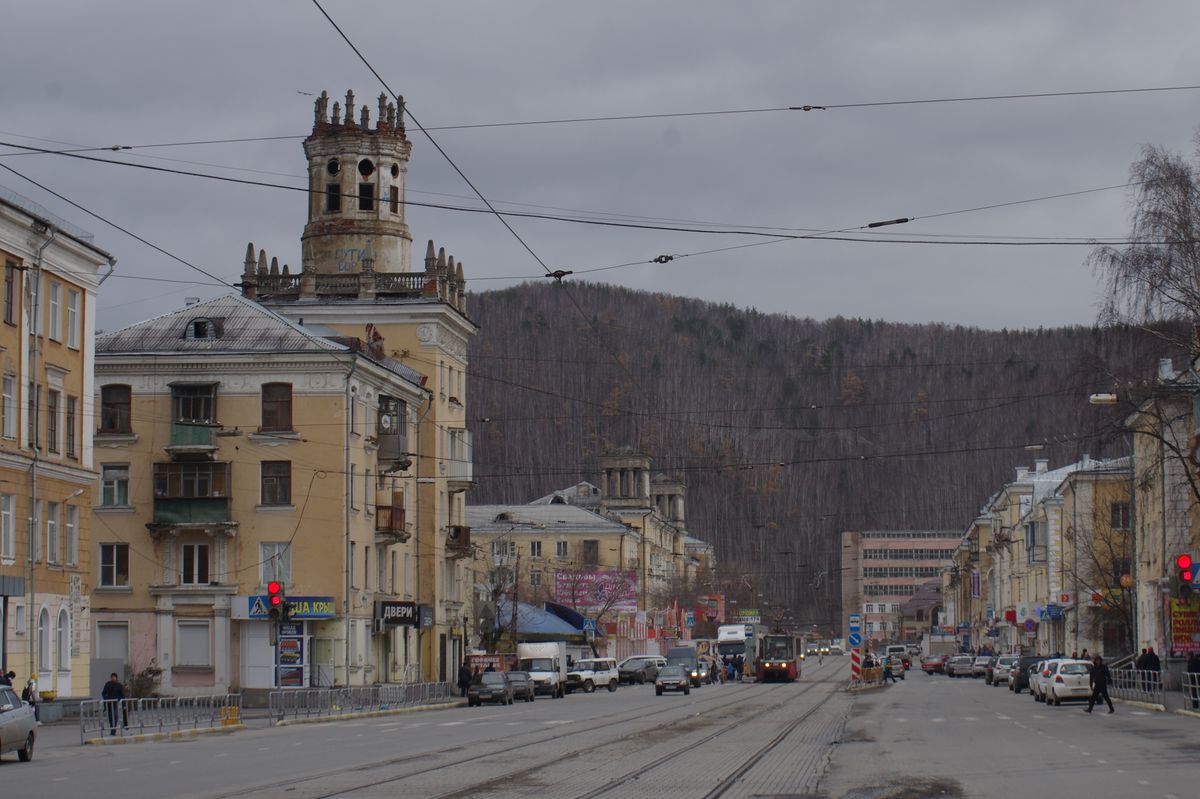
column 192, row 643
column 503, row 549
column 1119, row 515
column 114, row 485
column 191, row 480
column 8, row 406
column 194, row 403
column 63, row 645
column 535, row 579
column 367, row 567
column 114, row 409
column 193, row 563
column 53, row 403
column 8, row 526
column 869, row 609
column 353, row 484
column 35, row 401
column 43, row 641
column 333, row 198
column 277, row 406
column 36, row 321
column 276, row 562
column 69, row 427
column 72, row 534
column 10, row 292
column 560, row 550
column 55, row 314
column 535, row 549
column 366, row 197
column 394, row 199
column 277, row 482
column 114, row 565
column 37, row 526
column 73, row 318
column 53, row 542
column 591, row 552
column 353, row 555
column 380, row 569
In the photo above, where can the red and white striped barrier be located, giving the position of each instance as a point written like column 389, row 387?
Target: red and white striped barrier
column 855, row 665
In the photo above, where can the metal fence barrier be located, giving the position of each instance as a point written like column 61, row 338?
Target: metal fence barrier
column 119, row 717
column 1138, row 685
column 315, row 703
column 1191, row 691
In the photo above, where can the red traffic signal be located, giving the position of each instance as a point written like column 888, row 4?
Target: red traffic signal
column 278, row 605
column 1184, row 561
column 1186, row 573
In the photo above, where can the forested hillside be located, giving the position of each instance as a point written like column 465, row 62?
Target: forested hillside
column 787, row 431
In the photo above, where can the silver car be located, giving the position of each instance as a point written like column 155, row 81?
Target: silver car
column 18, row 726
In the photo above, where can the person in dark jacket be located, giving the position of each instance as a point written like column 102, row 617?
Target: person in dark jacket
column 112, row 695
column 464, row 679
column 1099, row 683
column 5, row 679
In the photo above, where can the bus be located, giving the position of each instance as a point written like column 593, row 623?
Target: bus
column 779, row 658
column 740, row 639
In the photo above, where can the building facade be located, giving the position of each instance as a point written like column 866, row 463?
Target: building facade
column 51, row 272
column 236, row 448
column 882, row 570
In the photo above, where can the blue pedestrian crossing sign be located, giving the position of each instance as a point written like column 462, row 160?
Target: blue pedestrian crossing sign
column 855, row 639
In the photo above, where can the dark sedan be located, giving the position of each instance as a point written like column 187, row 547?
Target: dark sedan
column 1020, row 672
column 490, row 686
column 522, row 685
column 640, row 670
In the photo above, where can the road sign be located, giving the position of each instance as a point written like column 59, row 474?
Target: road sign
column 589, row 625
column 856, row 618
column 855, row 639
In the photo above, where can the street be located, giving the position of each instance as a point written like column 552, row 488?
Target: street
column 925, row 736
column 937, row 736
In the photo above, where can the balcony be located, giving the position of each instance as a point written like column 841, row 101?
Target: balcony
column 191, row 511
column 191, row 438
column 458, row 541
column 390, row 525
column 460, row 472
column 191, row 494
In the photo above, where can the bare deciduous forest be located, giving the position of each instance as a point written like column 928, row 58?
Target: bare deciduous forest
column 787, row 431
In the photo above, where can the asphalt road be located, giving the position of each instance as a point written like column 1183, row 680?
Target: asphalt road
column 936, row 736
column 723, row 740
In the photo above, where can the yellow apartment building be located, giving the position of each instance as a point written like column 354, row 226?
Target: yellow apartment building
column 51, row 272
column 236, row 448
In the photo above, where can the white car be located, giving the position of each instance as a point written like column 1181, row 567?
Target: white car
column 1039, row 678
column 1068, row 680
column 18, row 727
column 592, row 673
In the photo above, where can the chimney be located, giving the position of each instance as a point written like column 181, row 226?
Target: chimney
column 1085, row 462
column 1166, row 369
column 1039, row 466
column 1022, row 473
column 188, row 302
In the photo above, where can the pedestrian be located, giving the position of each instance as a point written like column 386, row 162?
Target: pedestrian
column 887, row 668
column 112, row 696
column 1140, row 663
column 1084, row 655
column 1074, row 654
column 490, row 667
column 1099, row 684
column 464, row 678
column 30, row 695
column 1192, row 686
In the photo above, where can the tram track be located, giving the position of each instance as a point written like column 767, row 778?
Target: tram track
column 601, row 722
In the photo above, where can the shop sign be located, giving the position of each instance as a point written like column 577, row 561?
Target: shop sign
column 395, row 614
column 254, row 607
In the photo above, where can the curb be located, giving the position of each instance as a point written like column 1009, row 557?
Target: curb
column 1136, row 703
column 162, row 736
column 1193, row 713
column 367, row 714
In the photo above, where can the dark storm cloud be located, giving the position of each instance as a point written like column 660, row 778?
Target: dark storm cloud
column 133, row 73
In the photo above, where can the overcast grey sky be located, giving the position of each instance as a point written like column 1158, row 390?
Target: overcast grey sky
column 133, row 73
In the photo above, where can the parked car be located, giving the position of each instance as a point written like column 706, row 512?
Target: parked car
column 1002, row 669
column 522, row 685
column 1039, row 678
column 933, row 664
column 1069, row 680
column 490, row 686
column 639, row 669
column 592, row 673
column 979, row 665
column 18, row 726
column 672, row 678
column 1020, row 671
column 959, row 666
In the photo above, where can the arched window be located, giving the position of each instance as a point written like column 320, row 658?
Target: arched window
column 43, row 658
column 64, row 641
column 201, row 328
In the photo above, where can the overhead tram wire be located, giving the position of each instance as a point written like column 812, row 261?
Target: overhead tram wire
column 124, row 230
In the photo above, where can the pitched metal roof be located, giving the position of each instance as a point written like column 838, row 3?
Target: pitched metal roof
column 556, row 519
column 243, row 326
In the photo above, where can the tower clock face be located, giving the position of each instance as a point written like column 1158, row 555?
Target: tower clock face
column 385, row 421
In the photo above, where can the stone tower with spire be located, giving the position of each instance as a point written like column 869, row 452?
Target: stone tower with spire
column 356, row 284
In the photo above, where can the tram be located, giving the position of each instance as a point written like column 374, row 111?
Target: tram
column 779, row 658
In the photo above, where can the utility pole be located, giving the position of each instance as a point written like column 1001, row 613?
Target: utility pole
column 516, row 593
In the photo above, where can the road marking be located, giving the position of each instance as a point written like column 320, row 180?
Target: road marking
column 559, row 721
column 174, row 762
column 298, row 743
column 451, row 723
column 1003, row 717
column 226, row 754
column 1037, row 716
column 413, row 726
column 1120, row 771
column 60, row 779
column 264, row 749
column 900, row 720
column 1072, row 746
column 937, row 720
column 119, row 770
column 1143, row 782
column 1085, row 754
column 513, row 723
column 970, row 718
column 1102, row 762
column 388, row 726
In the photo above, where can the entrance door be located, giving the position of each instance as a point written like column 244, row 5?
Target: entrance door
column 112, row 654
column 258, row 656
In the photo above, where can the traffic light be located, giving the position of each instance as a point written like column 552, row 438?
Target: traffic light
column 276, row 601
column 1186, row 572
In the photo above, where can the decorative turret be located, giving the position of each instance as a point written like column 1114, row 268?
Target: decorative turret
column 356, row 178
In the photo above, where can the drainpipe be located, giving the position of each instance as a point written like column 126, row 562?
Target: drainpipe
column 32, row 311
column 417, row 543
column 112, row 266
column 349, row 498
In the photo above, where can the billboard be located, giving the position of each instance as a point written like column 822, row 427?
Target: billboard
column 711, row 608
column 597, row 591
column 1185, row 625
